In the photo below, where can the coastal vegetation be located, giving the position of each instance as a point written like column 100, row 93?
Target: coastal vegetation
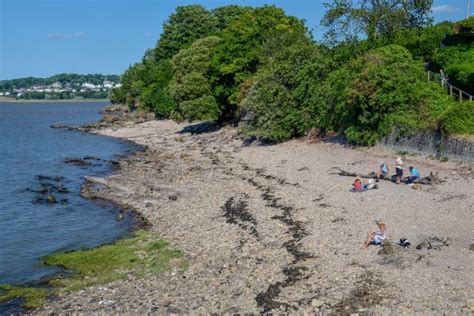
column 262, row 69
column 142, row 254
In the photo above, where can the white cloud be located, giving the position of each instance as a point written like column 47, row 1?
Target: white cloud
column 443, row 9
column 65, row 36
column 147, row 34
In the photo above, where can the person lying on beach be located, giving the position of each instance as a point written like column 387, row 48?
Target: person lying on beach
column 414, row 174
column 375, row 238
column 370, row 184
column 358, row 187
column 383, row 172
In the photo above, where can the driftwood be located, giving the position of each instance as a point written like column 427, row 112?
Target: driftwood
column 428, row 180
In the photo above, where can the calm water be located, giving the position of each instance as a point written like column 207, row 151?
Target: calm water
column 28, row 148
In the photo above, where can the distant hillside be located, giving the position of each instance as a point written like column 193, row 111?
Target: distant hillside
column 61, row 86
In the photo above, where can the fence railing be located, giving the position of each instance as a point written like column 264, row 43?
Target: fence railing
column 452, row 90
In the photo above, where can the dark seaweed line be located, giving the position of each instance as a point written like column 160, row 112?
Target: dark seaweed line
column 236, row 212
column 267, row 300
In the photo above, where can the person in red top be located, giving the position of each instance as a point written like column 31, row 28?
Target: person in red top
column 358, row 185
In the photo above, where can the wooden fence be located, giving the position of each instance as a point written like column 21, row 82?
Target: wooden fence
column 452, row 90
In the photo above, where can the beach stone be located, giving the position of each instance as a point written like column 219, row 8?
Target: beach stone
column 471, row 247
column 77, row 162
column 51, row 199
column 470, row 304
column 119, row 217
column 316, row 303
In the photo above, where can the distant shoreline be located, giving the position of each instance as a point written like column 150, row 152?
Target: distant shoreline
column 13, row 100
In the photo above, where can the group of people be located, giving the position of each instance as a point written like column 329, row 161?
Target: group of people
column 359, row 186
column 399, row 165
column 376, row 237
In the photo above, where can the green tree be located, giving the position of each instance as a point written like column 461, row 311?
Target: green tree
column 374, row 18
column 279, row 103
column 228, row 14
column 187, row 24
column 190, row 86
column 238, row 56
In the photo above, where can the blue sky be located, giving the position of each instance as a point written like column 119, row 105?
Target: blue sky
column 45, row 37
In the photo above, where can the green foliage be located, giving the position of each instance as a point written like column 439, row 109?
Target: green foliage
column 202, row 108
column 346, row 19
column 458, row 63
column 423, row 43
column 465, row 26
column 459, row 119
column 141, row 254
column 228, row 14
column 372, row 94
column 191, row 87
column 32, row 297
column 238, row 56
column 186, row 25
column 262, row 65
column 278, row 105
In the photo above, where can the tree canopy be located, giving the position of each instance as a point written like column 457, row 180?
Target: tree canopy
column 261, row 68
column 375, row 18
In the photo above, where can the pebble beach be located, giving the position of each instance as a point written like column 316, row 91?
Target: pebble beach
column 272, row 228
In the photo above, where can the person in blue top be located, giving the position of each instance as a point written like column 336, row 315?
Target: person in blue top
column 414, row 174
column 383, row 170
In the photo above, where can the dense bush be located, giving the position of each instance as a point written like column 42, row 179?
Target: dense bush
column 465, row 26
column 278, row 103
column 458, row 63
column 459, row 119
column 423, row 43
column 372, row 94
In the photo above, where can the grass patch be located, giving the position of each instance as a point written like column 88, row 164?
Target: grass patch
column 141, row 255
column 32, row 297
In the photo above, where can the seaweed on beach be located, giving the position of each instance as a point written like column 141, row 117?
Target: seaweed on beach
column 236, row 212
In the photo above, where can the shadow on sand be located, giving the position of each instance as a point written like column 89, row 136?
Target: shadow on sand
column 201, row 128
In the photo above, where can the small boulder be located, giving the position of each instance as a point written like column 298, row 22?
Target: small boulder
column 316, row 303
column 120, row 217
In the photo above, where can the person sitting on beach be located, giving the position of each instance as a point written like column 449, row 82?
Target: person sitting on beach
column 414, row 174
column 375, row 238
column 383, row 172
column 399, row 170
column 358, row 187
column 370, row 184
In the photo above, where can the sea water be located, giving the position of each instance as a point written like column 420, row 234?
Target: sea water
column 32, row 154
